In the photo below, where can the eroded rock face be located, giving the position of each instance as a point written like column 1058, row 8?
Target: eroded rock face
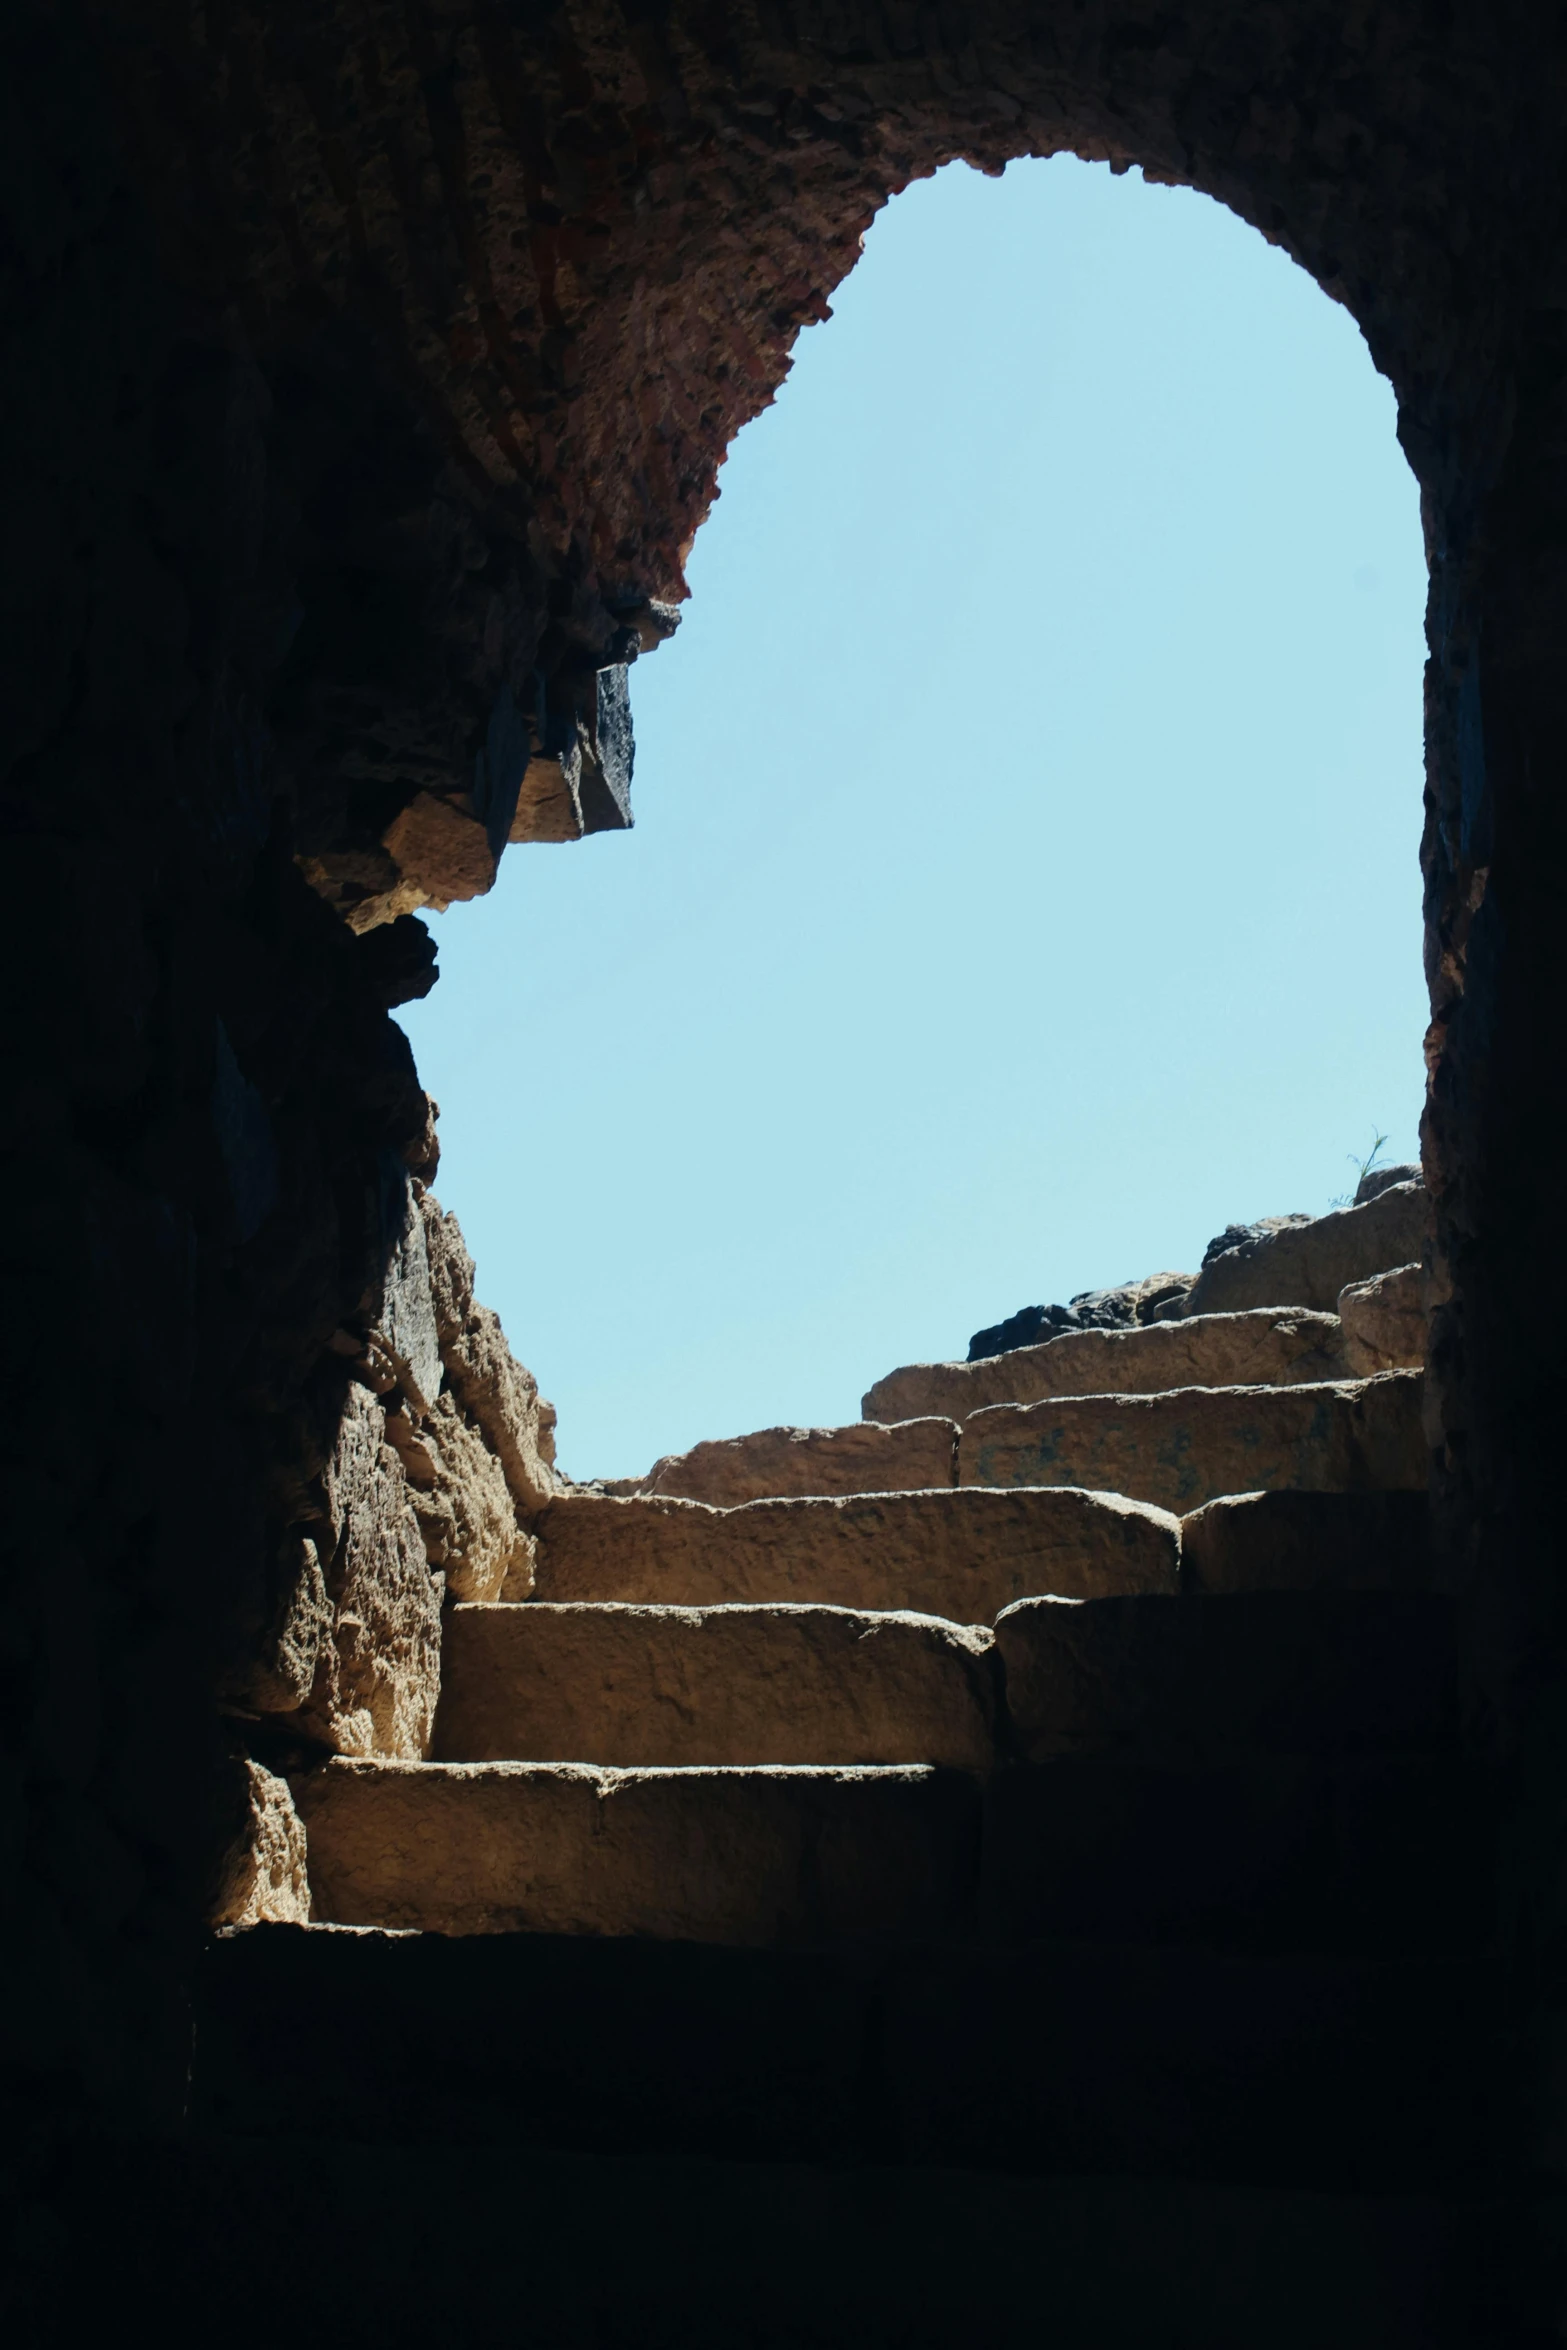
column 378, row 1668
column 1307, row 1260
column 494, row 1389
column 265, row 1877
column 1385, row 1322
column 464, row 1506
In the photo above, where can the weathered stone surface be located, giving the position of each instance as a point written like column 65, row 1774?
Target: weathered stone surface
column 861, row 1458
column 490, row 1383
column 1385, row 1322
column 959, row 1555
column 1307, row 1263
column 264, row 1877
column 442, row 853
column 282, row 1671
column 402, row 1329
column 463, row 1503
column 378, row 1668
column 742, row 1856
column 1265, row 1349
column 782, row 1684
column 1382, row 1179
column 1126, row 1307
column 1278, row 1672
column 1183, row 1449
column 1294, row 1541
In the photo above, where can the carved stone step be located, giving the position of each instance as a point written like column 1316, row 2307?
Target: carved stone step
column 1273, row 1853
column 1309, row 1542
column 1278, row 1672
column 1307, row 1264
column 962, row 1555
column 859, row 1458
column 739, row 1856
column 1273, row 1348
column 1189, row 1447
column 1069, row 2057
column 664, row 1685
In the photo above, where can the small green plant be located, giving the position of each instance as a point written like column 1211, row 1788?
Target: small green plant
column 1362, row 1166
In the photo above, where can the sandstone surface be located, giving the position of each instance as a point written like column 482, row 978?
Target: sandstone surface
column 740, row 1856
column 1182, row 1449
column 861, row 1458
column 1299, row 1672
column 627, row 1685
column 378, row 1663
column 1293, row 1541
column 1126, row 1307
column 1384, row 1322
column 1267, row 1348
column 493, row 1387
column 464, row 1506
column 1307, row 1263
column 961, row 1555
column 265, row 1878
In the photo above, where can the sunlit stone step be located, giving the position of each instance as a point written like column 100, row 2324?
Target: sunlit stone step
column 736, row 1856
column 1183, row 1449
column 860, row 1458
column 1267, row 1349
column 1276, row 1672
column 959, row 1554
column 663, row 1685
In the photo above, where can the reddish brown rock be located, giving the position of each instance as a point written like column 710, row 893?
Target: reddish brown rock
column 1308, row 1263
column 1189, row 1447
column 784, row 1684
column 960, row 1555
column 1266, row 1349
column 861, row 1458
column 1385, row 1322
column 740, row 1856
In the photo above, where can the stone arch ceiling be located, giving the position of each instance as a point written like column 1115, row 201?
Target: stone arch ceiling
column 515, row 275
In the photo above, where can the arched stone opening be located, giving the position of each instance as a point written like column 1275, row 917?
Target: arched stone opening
column 375, row 375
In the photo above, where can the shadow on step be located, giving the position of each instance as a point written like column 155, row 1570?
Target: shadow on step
column 1315, row 2072
column 325, row 2241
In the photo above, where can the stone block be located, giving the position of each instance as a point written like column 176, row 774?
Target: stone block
column 961, row 1554
column 1183, row 1449
column 1308, row 1263
column 1278, row 1672
column 737, row 1856
column 1384, row 1322
column 632, row 1685
column 1309, row 1542
column 1266, row 1349
column 264, row 1878
column 782, row 1462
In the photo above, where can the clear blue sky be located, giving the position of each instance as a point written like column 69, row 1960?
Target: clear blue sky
column 1025, row 880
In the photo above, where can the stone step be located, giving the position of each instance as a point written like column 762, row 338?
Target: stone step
column 1295, row 2071
column 725, row 1855
column 595, row 2249
column 1183, row 1449
column 1272, row 1348
column 962, row 1555
column 1261, row 1673
column 1309, row 1542
column 620, row 1684
column 1280, row 1853
column 863, row 1457
column 1308, row 1264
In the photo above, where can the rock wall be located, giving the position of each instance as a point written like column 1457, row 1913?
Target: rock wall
column 368, row 373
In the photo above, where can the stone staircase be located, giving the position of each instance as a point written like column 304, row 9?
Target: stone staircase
column 1063, row 1778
